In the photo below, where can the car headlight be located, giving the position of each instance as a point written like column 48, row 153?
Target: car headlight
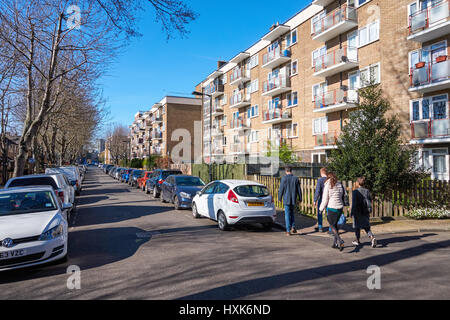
column 54, row 230
column 185, row 195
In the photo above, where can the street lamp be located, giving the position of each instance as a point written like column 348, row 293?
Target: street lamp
column 203, row 94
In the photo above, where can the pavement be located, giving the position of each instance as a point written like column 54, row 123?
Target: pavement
column 306, row 225
column 130, row 246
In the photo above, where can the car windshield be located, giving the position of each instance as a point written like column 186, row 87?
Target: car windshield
column 36, row 181
column 252, row 191
column 68, row 173
column 165, row 174
column 189, row 181
column 26, row 202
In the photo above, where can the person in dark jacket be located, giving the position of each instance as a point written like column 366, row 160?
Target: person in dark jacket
column 318, row 197
column 289, row 192
column 361, row 209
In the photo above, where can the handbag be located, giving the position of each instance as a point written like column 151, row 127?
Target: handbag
column 345, row 198
column 342, row 220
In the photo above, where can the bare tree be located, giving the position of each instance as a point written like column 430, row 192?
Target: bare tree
column 117, row 139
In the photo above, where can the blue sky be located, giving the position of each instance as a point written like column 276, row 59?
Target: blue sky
column 151, row 68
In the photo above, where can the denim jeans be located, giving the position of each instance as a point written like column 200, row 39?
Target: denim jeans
column 320, row 218
column 289, row 211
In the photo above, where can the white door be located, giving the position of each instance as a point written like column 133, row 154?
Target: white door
column 205, row 202
column 352, row 49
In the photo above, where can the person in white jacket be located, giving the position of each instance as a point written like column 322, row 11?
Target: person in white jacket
column 333, row 202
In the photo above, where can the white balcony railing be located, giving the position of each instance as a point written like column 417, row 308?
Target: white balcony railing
column 336, row 61
column 334, row 23
column 276, row 86
column 430, row 129
column 430, row 23
column 276, row 57
column 430, row 76
column 335, row 100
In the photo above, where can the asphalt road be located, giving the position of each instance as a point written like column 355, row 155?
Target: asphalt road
column 129, row 246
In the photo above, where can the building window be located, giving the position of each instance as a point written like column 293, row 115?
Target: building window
column 253, row 136
column 291, row 38
column 292, row 99
column 318, row 90
column 369, row 34
column 317, row 54
column 254, row 86
column 254, row 60
column 369, row 75
column 292, row 130
column 430, row 108
column 294, row 68
column 320, row 126
column 253, row 111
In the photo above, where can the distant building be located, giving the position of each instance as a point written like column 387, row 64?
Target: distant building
column 101, row 145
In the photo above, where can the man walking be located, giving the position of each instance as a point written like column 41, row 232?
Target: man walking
column 288, row 193
column 318, row 197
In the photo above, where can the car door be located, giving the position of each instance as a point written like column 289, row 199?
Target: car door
column 205, row 202
column 170, row 188
column 165, row 189
column 219, row 197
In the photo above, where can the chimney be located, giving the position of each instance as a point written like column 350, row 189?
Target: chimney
column 274, row 26
column 220, row 64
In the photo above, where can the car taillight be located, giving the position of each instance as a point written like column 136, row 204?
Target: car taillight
column 271, row 199
column 161, row 181
column 78, row 184
column 61, row 195
column 232, row 197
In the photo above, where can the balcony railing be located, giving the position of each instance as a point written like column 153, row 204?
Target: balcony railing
column 239, row 99
column 157, row 135
column 434, row 73
column 215, row 89
column 238, row 148
column 326, row 139
column 429, row 17
column 277, row 85
column 340, row 59
column 333, row 19
column 217, row 109
column 335, row 98
column 157, row 118
column 239, row 123
column 276, row 115
column 430, row 129
column 239, row 75
column 276, row 57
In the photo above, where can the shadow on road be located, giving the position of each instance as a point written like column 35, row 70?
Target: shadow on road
column 247, row 288
column 87, row 249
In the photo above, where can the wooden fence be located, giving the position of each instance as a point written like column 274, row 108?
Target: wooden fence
column 397, row 203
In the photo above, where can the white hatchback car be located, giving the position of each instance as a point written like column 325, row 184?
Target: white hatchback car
column 234, row 202
column 33, row 227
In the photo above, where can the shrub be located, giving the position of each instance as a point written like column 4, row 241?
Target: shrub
column 429, row 213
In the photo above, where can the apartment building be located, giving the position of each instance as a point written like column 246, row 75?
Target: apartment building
column 169, row 115
column 298, row 83
column 140, row 135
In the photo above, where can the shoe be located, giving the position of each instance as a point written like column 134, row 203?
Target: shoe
column 356, row 243
column 334, row 245
column 374, row 243
column 294, row 231
column 320, row 230
column 341, row 246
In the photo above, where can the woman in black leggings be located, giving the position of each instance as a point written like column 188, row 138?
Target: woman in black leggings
column 361, row 209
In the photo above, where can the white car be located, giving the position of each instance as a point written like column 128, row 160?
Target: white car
column 33, row 227
column 234, row 202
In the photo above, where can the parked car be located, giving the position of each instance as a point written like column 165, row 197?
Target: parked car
column 118, row 173
column 112, row 172
column 158, row 177
column 135, row 175
column 125, row 175
column 33, row 227
column 108, row 168
column 68, row 174
column 234, row 202
column 74, row 175
column 55, row 180
column 180, row 190
column 142, row 181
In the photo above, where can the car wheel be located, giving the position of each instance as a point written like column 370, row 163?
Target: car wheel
column 155, row 193
column 222, row 221
column 162, row 199
column 176, row 203
column 195, row 212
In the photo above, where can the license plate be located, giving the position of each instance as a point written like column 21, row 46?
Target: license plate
column 255, row 204
column 12, row 254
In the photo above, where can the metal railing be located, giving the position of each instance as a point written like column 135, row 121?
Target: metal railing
column 239, row 97
column 276, row 114
column 275, row 54
column 430, row 16
column 424, row 73
column 326, row 139
column 425, row 129
column 345, row 13
column 337, row 56
column 334, row 97
column 275, row 83
column 238, row 73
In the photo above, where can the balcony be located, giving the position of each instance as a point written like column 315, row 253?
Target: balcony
column 326, row 141
column 239, row 100
column 428, row 77
column 157, row 119
column 217, row 132
column 335, row 100
column 430, row 23
column 157, row 135
column 430, row 131
column 276, row 86
column 335, row 23
column 276, row 116
column 217, row 110
column 240, row 124
column 238, row 149
column 276, row 58
column 322, row 3
column 215, row 90
column 239, row 76
column 337, row 61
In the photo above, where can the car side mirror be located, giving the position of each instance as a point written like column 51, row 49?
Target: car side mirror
column 199, row 193
column 67, row 206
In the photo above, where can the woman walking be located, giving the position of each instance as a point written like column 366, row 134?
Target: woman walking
column 333, row 200
column 361, row 209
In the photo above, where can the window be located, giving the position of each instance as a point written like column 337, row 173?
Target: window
column 274, row 103
column 291, row 38
column 224, row 121
column 294, row 68
column 430, row 108
column 319, row 158
column 254, row 86
column 223, row 101
column 292, row 99
column 316, row 24
column 253, row 61
column 253, row 112
column 428, row 54
column 292, row 130
column 369, row 75
column 369, row 34
column 320, row 126
column 318, row 53
column 318, row 90
column 224, row 79
column 253, row 136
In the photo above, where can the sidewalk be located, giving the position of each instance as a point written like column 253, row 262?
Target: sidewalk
column 306, row 225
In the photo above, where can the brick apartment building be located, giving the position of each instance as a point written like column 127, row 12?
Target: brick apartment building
column 298, row 83
column 151, row 132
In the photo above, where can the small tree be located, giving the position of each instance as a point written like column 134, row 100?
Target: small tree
column 284, row 153
column 370, row 145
